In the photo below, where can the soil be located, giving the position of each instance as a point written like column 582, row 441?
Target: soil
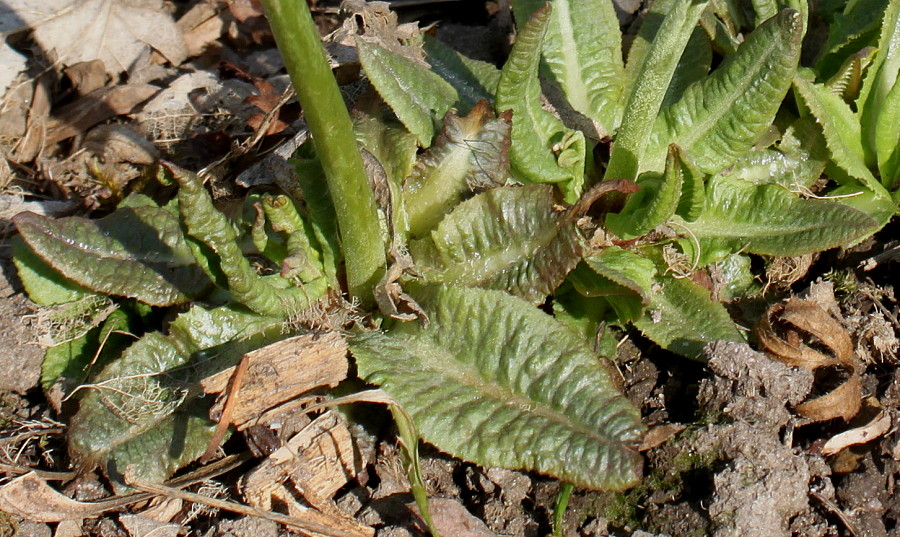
column 733, row 458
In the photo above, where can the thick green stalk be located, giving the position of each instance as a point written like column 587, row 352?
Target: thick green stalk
column 331, row 128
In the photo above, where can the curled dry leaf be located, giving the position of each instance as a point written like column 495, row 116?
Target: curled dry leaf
column 879, row 426
column 800, row 333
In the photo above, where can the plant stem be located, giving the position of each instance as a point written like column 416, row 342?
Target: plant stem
column 330, row 126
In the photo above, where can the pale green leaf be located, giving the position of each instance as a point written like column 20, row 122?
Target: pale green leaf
column 509, row 238
column 471, row 152
column 495, row 381
column 887, row 140
column 474, row 80
column 682, row 318
column 840, row 126
column 320, row 208
column 795, row 163
column 419, row 97
column 138, row 252
column 583, row 54
column 44, row 285
column 626, row 268
column 652, row 205
column 141, row 410
column 536, row 132
column 653, row 74
column 768, row 219
column 693, row 190
column 764, row 9
column 720, row 118
column 880, row 78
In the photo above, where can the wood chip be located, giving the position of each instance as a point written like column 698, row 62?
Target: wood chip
column 876, row 428
column 280, row 372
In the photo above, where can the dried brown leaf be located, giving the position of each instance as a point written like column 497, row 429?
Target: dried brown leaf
column 879, row 426
column 30, row 497
column 802, row 334
column 98, row 106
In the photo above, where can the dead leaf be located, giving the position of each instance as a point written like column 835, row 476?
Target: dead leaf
column 30, row 145
column 802, row 334
column 11, row 64
column 280, row 372
column 30, row 497
column 120, row 143
column 201, row 26
column 451, row 518
column 879, row 426
column 116, row 32
column 105, row 103
column 659, row 435
column 138, row 526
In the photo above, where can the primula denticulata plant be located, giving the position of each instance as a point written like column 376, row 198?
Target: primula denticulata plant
column 492, row 210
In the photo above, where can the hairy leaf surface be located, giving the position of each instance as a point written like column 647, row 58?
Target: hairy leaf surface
column 139, row 409
column 419, row 97
column 654, row 203
column 507, row 238
column 768, row 219
column 536, row 133
column 474, row 80
column 471, row 152
column 583, row 54
column 682, row 318
column 719, row 118
column 497, row 382
column 138, row 252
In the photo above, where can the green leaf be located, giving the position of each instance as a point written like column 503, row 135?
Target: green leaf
column 654, row 204
column 507, row 238
column 887, row 140
column 857, row 27
column 471, row 152
column 322, row 217
column 536, row 133
column 270, row 295
column 880, row 81
column 737, row 278
column 682, row 318
column 719, row 118
column 653, row 74
column 840, row 126
column 770, row 220
column 140, row 410
column 419, row 97
column 392, row 145
column 795, row 163
column 474, row 80
column 628, row 269
column 693, row 190
column 44, row 285
column 138, row 252
column 583, row 55
column 579, row 313
column 497, row 382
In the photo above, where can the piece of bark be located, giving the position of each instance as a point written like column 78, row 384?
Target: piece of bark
column 317, row 461
column 280, row 372
column 100, row 105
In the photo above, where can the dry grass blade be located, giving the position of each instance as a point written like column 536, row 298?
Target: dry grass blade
column 802, row 334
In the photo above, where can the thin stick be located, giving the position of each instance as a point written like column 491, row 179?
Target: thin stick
column 308, row 526
column 234, row 385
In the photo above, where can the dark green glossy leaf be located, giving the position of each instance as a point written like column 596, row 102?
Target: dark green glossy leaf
column 497, row 382
column 137, row 252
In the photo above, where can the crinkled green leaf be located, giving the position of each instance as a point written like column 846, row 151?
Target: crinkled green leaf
column 847, row 81
column 583, row 55
column 840, row 126
column 735, row 277
column 652, row 205
column 628, row 269
column 471, row 152
column 474, row 80
column 682, row 318
column 44, row 285
column 694, row 65
column 497, row 382
column 653, row 70
column 418, row 96
column 322, row 217
column 768, row 219
column 137, row 252
column 141, row 410
column 70, row 362
column 719, row 118
column 693, row 190
column 764, row 9
column 507, row 238
column 393, row 146
column 857, row 27
column 879, row 207
column 795, row 163
column 270, row 295
column 887, row 140
column 536, row 133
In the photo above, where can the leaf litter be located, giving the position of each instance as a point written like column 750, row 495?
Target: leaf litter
column 795, row 487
